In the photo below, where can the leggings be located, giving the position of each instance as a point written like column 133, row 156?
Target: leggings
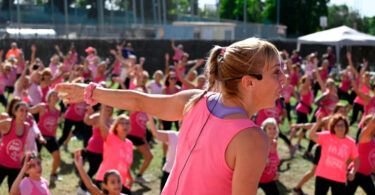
column 163, row 180
column 283, row 137
column 94, row 160
column 11, row 173
column 3, row 100
column 167, row 125
column 269, row 188
column 68, row 124
column 356, row 109
column 322, row 186
column 365, row 181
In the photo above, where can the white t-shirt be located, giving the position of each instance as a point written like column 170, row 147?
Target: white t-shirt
column 155, row 88
column 30, row 145
column 172, row 147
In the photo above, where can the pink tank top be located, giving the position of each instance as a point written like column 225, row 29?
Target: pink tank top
column 118, row 155
column 307, row 98
column 271, row 168
column 287, row 92
column 206, row 171
column 44, row 93
column 368, row 109
column 35, row 94
column 294, row 79
column 273, row 112
column 99, row 79
column 324, row 74
column 366, row 153
column 169, row 92
column 365, row 90
column 11, row 78
column 116, row 69
column 95, row 144
column 345, row 85
column 138, row 124
column 48, row 122
column 329, row 104
column 11, row 148
column 177, row 55
column 76, row 112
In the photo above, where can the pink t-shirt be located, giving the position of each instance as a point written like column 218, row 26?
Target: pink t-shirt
column 2, row 83
column 366, row 157
column 307, row 98
column 287, row 92
column 32, row 187
column 206, row 171
column 118, row 155
column 271, row 168
column 96, row 141
column 11, row 78
column 11, row 148
column 365, row 90
column 76, row 112
column 335, row 153
column 138, row 124
column 48, row 122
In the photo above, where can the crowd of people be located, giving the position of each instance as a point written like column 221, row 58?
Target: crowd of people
column 226, row 119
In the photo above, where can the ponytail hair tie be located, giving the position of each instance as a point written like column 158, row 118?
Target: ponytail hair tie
column 223, row 51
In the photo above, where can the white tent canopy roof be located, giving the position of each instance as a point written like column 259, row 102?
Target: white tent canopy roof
column 340, row 36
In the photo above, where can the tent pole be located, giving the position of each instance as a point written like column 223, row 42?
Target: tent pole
column 338, row 57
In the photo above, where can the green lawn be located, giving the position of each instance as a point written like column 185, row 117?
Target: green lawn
column 291, row 170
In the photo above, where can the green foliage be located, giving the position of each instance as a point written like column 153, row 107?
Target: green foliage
column 230, row 9
column 183, row 7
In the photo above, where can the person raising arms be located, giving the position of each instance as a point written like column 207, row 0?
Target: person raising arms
column 246, row 77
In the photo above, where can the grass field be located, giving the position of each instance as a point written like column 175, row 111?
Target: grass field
column 291, row 170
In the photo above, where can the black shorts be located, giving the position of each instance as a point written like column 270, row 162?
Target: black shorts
column 51, row 144
column 318, row 152
column 9, row 89
column 137, row 141
column 344, row 95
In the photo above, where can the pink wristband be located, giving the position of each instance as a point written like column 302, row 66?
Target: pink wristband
column 87, row 94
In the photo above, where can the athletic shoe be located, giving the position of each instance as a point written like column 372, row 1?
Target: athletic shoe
column 308, row 156
column 55, row 177
column 297, row 191
column 140, row 179
column 80, row 191
column 293, row 151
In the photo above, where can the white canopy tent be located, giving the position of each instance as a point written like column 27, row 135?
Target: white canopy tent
column 338, row 37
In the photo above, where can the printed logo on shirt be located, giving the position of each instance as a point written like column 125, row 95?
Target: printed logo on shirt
column 371, row 110
column 371, row 158
column 50, row 123
column 14, row 149
column 141, row 120
column 80, row 109
column 271, row 112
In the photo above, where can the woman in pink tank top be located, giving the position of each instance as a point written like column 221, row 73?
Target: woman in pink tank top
column 46, row 81
column 33, row 183
column 337, row 149
column 14, row 132
column 328, row 100
column 187, row 82
column 212, row 153
column 366, row 151
column 94, row 149
column 270, row 174
column 117, row 149
column 48, row 121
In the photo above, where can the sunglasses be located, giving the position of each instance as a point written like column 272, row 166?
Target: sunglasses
column 172, row 78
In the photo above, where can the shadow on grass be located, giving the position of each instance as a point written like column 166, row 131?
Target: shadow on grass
column 286, row 167
column 65, row 168
column 142, row 190
column 282, row 188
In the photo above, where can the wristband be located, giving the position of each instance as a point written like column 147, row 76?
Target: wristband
column 87, row 94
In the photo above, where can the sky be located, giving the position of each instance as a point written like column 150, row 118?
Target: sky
column 365, row 7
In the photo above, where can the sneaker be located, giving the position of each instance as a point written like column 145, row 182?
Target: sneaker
column 297, row 191
column 140, row 179
column 65, row 147
column 293, row 151
column 80, row 191
column 308, row 156
column 55, row 177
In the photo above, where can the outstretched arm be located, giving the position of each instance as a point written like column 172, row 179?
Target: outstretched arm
column 85, row 178
column 156, row 105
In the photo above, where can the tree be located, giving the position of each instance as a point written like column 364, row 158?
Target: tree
column 230, row 9
column 300, row 16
